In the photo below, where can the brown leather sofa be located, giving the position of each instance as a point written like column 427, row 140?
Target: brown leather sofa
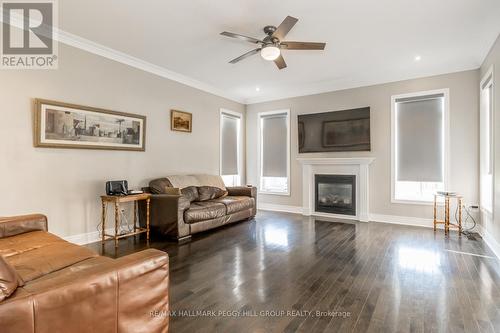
column 63, row 287
column 185, row 205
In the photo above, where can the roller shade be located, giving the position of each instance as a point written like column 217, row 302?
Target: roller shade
column 274, row 145
column 420, row 138
column 229, row 145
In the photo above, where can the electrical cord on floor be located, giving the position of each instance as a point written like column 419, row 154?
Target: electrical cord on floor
column 124, row 226
column 466, row 231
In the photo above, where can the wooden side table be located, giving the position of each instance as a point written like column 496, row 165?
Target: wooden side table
column 446, row 221
column 117, row 200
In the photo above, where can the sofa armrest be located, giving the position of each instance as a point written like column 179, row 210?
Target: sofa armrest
column 10, row 226
column 247, row 191
column 167, row 215
column 129, row 294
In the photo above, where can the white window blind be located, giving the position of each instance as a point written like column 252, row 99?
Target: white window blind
column 486, row 135
column 420, row 139
column 274, row 152
column 229, row 144
column 274, row 145
column 419, row 146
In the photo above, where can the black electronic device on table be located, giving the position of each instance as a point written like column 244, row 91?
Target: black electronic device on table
column 117, row 187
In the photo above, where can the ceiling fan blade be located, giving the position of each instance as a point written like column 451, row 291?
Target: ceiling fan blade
column 302, row 45
column 280, row 62
column 243, row 56
column 285, row 27
column 245, row 38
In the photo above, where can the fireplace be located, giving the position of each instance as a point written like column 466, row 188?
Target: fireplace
column 335, row 194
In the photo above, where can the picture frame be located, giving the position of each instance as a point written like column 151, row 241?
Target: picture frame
column 181, row 121
column 65, row 125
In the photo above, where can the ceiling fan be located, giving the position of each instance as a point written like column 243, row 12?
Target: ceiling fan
column 270, row 47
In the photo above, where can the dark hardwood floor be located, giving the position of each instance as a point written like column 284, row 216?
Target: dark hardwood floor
column 362, row 277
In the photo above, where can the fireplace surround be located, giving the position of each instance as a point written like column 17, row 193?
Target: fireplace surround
column 357, row 166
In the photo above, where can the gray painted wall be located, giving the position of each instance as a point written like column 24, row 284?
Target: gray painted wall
column 66, row 184
column 464, row 122
column 492, row 227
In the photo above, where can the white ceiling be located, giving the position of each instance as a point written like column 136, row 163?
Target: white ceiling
column 368, row 41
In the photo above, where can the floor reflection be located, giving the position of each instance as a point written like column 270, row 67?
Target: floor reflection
column 275, row 236
column 419, row 260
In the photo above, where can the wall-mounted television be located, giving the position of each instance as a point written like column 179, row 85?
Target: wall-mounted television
column 346, row 130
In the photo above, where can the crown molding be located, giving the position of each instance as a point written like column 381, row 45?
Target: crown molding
column 332, row 86
column 124, row 58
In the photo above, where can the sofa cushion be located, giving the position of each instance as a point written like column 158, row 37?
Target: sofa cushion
column 38, row 253
column 81, row 266
column 190, row 193
column 236, row 203
column 157, row 186
column 10, row 246
column 206, row 193
column 9, row 280
column 205, row 210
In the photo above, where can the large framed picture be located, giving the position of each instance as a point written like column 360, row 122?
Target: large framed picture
column 181, row 121
column 63, row 125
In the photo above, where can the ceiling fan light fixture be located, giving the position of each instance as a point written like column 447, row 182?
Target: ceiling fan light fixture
column 270, row 52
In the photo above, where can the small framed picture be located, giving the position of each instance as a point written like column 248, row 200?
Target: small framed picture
column 181, row 121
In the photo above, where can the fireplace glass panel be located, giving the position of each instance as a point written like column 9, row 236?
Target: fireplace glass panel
column 335, row 194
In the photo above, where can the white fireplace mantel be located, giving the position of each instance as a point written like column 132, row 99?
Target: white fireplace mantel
column 358, row 166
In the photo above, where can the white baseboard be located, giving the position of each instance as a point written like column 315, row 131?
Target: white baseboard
column 90, row 237
column 489, row 240
column 403, row 220
column 82, row 239
column 280, row 208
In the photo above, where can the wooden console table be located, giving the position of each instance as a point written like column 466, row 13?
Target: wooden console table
column 117, row 200
column 446, row 221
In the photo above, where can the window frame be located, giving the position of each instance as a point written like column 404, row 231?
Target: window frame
column 487, row 82
column 446, row 177
column 259, row 152
column 239, row 144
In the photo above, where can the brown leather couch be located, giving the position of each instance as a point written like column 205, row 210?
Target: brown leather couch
column 63, row 287
column 185, row 205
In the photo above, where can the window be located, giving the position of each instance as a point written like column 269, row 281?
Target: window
column 419, row 146
column 230, row 147
column 274, row 154
column 486, row 142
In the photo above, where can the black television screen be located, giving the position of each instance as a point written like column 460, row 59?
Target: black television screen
column 346, row 130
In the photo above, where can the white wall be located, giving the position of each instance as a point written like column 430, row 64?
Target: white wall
column 464, row 120
column 66, row 184
column 492, row 227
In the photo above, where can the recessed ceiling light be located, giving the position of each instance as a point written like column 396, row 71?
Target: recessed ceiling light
column 257, row 88
column 418, row 58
